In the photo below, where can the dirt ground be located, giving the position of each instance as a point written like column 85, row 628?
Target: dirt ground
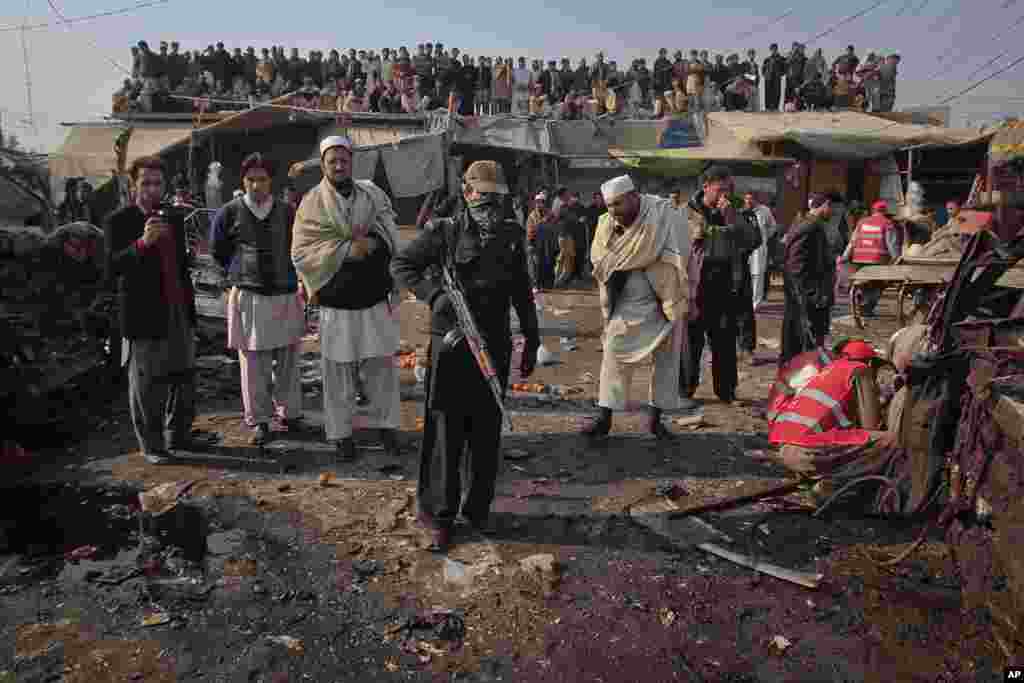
column 282, row 564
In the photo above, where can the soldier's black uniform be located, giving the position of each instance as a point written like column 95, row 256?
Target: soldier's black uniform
column 487, row 248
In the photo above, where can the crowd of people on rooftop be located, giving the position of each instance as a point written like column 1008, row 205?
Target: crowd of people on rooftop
column 397, row 81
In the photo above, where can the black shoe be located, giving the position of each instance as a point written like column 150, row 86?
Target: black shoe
column 157, row 458
column 600, row 425
column 688, row 403
column 655, row 426
column 389, row 440
column 438, row 534
column 346, row 449
column 293, row 425
column 480, row 527
column 260, row 434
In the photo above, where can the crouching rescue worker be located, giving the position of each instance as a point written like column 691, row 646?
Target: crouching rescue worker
column 820, row 403
column 486, row 247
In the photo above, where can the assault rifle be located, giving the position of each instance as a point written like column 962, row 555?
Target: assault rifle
column 469, row 331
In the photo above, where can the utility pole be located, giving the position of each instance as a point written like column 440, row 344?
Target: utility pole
column 30, row 116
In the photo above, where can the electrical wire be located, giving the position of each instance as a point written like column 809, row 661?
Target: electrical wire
column 761, row 27
column 98, row 48
column 957, row 95
column 847, row 20
column 996, row 37
column 88, row 17
column 988, row 64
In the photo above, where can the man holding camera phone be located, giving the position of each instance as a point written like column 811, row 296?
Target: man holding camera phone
column 147, row 259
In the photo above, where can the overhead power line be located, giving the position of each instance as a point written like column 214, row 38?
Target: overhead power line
column 996, row 37
column 761, row 27
column 98, row 48
column 960, row 93
column 842, row 22
column 87, row 17
column 977, row 84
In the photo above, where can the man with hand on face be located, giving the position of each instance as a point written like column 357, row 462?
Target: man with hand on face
column 342, row 244
column 147, row 257
column 484, row 246
column 640, row 268
column 251, row 237
column 722, row 243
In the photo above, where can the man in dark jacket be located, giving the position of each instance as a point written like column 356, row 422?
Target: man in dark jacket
column 721, row 243
column 251, row 238
column 486, row 250
column 661, row 79
column 795, row 71
column 146, row 257
column 773, row 69
column 807, row 281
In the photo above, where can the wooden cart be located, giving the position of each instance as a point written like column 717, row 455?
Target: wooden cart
column 910, row 275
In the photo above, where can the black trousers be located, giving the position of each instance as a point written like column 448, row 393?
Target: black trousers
column 745, row 321
column 795, row 323
column 717, row 326
column 772, row 95
column 461, row 439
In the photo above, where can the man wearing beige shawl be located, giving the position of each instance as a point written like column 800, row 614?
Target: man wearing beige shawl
column 342, row 244
column 639, row 254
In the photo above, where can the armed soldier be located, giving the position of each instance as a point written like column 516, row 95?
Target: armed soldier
column 484, row 248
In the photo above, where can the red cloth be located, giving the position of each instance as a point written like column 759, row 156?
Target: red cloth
column 170, row 271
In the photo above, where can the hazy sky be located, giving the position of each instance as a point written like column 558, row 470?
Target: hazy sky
column 73, row 75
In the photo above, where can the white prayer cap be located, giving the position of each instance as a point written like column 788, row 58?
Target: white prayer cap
column 334, row 141
column 616, row 187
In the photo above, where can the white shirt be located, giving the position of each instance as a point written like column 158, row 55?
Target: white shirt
column 766, row 223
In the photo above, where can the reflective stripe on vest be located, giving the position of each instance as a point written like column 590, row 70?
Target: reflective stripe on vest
column 834, row 406
column 869, row 243
column 818, row 409
column 800, row 420
column 782, row 391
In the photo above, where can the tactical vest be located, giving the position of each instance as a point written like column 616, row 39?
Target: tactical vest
column 816, row 416
column 869, row 242
column 262, row 262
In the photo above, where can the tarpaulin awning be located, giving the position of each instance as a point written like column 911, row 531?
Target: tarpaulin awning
column 414, row 165
column 719, row 145
column 152, row 141
column 87, row 152
column 527, row 135
column 840, row 135
column 1007, row 143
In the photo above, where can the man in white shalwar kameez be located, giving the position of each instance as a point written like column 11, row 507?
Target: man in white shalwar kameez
column 639, row 252
column 342, row 244
column 763, row 218
column 251, row 238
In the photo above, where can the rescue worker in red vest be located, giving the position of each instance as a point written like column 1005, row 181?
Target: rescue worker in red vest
column 837, row 407
column 875, row 242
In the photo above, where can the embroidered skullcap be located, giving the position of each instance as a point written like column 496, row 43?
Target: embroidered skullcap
column 616, row 187
column 334, row 141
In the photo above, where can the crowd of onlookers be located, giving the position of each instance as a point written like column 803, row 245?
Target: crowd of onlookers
column 396, row 81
